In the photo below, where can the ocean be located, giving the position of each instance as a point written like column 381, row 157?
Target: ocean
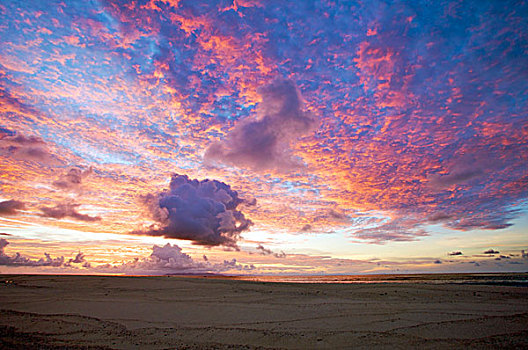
column 504, row 279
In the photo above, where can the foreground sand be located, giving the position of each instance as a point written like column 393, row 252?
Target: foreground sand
column 63, row 312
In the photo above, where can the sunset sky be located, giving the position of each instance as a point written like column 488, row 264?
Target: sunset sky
column 263, row 137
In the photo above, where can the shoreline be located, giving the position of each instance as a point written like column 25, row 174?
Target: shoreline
column 493, row 279
column 219, row 275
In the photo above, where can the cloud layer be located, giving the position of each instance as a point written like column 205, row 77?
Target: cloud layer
column 19, row 260
column 412, row 116
column 170, row 259
column 167, row 259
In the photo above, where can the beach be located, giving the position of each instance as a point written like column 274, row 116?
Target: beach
column 110, row 312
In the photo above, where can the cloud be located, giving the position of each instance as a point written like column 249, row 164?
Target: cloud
column 456, row 176
column 204, row 212
column 63, row 210
column 22, row 140
column 491, row 251
column 3, row 244
column 72, row 179
column 19, row 260
column 337, row 215
column 171, row 256
column 439, row 216
column 397, row 230
column 455, row 253
column 392, row 120
column 265, row 251
column 23, row 147
column 306, row 228
column 437, row 261
column 11, row 207
column 170, row 259
column 524, row 254
column 79, row 258
column 263, row 142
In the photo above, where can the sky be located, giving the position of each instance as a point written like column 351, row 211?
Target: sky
column 263, row 137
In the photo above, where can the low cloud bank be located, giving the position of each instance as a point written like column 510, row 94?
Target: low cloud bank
column 19, row 260
column 170, row 259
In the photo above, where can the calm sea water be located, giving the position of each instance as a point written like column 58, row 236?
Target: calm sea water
column 511, row 279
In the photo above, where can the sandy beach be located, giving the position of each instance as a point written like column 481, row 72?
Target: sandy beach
column 95, row 312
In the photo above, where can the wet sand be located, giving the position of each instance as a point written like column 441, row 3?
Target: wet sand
column 95, row 312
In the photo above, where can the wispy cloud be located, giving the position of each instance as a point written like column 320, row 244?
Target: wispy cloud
column 67, row 210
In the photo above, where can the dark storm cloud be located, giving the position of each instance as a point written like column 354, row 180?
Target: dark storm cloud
column 11, row 207
column 491, row 251
column 19, row 260
column 72, row 179
column 64, row 210
column 204, row 212
column 263, row 142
